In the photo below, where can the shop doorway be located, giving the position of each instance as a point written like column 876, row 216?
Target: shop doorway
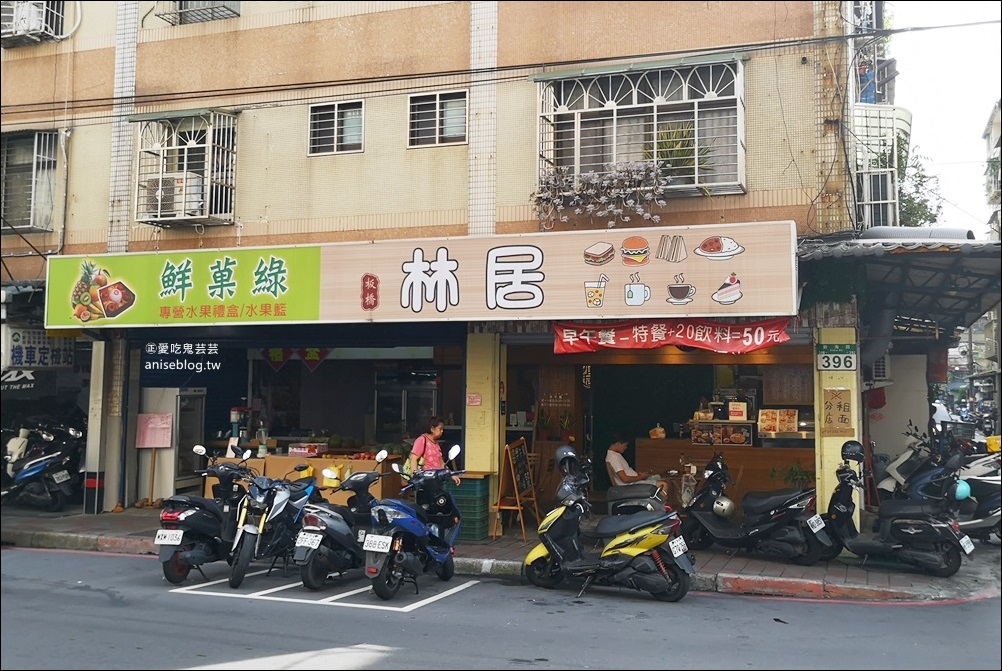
column 635, row 398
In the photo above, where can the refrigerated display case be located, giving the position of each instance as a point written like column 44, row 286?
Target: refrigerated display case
column 176, row 465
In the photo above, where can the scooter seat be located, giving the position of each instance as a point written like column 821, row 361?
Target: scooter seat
column 186, row 501
column 617, row 524
column 637, row 490
column 754, row 503
column 905, row 507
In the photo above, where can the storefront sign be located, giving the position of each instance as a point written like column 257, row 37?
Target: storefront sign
column 26, row 384
column 837, row 419
column 230, row 286
column 276, row 356
column 313, row 356
column 32, row 348
column 746, row 270
column 836, row 357
column 653, row 333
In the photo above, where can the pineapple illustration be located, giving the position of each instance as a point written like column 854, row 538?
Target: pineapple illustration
column 82, row 287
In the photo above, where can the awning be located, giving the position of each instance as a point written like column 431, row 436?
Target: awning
column 944, row 285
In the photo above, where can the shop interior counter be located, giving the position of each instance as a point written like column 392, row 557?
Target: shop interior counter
column 385, row 487
column 753, row 468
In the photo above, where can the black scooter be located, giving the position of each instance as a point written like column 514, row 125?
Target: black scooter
column 780, row 522
column 923, row 534
column 197, row 530
column 332, row 535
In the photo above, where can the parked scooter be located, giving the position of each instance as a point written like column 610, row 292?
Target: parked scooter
column 780, row 522
column 409, row 539
column 198, row 530
column 41, row 476
column 269, row 517
column 922, row 534
column 642, row 551
column 331, row 537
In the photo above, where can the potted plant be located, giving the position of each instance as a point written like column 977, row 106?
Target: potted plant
column 543, row 421
column 674, row 148
column 566, row 423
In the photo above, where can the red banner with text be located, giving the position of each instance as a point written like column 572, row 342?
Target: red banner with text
column 571, row 338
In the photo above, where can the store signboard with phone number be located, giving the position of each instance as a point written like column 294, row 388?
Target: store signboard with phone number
column 836, row 357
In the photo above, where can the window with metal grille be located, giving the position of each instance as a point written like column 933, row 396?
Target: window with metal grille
column 177, row 13
column 688, row 119
column 439, row 118
column 25, row 23
column 336, row 128
column 28, row 163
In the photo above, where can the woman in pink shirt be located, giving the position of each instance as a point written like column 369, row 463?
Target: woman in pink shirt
column 426, row 445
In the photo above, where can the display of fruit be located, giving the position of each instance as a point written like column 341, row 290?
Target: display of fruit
column 86, row 297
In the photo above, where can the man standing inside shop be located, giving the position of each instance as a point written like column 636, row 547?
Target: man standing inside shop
column 620, row 471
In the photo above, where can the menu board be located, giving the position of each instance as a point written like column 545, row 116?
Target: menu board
column 787, row 385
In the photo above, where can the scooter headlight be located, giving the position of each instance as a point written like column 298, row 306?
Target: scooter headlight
column 76, row 433
column 46, row 436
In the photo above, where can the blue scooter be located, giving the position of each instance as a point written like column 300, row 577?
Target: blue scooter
column 44, row 481
column 409, row 539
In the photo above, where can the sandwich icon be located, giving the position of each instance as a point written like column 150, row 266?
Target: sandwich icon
column 672, row 249
column 599, row 254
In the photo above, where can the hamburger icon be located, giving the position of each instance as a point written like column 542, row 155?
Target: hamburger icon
column 635, row 251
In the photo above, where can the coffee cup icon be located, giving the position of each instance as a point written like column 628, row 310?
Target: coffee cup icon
column 680, row 294
column 637, row 294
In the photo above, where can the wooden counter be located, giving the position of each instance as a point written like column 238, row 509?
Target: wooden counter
column 751, row 467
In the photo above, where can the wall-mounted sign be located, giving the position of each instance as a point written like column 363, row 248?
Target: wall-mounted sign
column 837, row 418
column 474, row 399
column 670, row 272
column 836, row 357
column 33, row 348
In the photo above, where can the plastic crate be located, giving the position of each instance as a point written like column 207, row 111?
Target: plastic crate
column 472, row 506
column 473, row 529
column 470, row 487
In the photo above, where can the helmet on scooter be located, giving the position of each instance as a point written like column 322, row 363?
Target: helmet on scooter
column 852, row 450
column 567, row 460
column 723, row 507
column 961, row 490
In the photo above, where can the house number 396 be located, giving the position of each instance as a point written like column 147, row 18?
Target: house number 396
column 836, row 362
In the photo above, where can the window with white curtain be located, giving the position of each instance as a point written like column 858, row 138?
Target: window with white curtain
column 688, row 119
column 336, row 128
column 439, row 118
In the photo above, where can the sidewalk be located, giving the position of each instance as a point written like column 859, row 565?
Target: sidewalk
column 132, row 531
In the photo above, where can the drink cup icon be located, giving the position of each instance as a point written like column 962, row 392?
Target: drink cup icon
column 595, row 292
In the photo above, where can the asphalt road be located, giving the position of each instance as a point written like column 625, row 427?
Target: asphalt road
column 103, row 611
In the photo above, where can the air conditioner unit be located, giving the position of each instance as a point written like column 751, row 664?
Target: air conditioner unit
column 879, row 373
column 174, row 195
column 25, row 18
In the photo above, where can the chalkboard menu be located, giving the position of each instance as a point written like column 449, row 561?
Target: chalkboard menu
column 521, row 462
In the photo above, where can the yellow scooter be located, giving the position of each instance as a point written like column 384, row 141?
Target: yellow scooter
column 643, row 551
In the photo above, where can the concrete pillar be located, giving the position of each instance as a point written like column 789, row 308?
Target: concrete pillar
column 828, row 449
column 483, row 424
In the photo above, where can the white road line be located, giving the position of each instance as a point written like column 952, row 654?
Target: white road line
column 332, row 600
column 202, row 585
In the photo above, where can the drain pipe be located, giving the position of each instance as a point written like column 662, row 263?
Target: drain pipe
column 881, row 328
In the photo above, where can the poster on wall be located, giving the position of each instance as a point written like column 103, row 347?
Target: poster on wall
column 837, row 418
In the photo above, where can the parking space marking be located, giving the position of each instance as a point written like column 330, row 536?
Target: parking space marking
column 333, row 600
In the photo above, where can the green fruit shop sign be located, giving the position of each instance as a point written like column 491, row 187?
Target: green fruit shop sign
column 185, row 287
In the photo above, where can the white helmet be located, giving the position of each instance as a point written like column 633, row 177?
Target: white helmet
column 723, row 507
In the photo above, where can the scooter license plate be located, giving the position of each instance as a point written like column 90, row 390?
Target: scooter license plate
column 678, row 546
column 967, row 544
column 816, row 523
column 307, row 540
column 375, row 543
column 169, row 537
column 60, row 476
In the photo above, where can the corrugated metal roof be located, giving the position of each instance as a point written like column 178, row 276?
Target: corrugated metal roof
column 945, row 285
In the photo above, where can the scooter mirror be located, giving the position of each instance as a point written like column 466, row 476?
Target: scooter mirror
column 381, row 456
column 454, row 452
column 329, row 474
column 199, row 450
column 247, row 455
column 397, row 468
